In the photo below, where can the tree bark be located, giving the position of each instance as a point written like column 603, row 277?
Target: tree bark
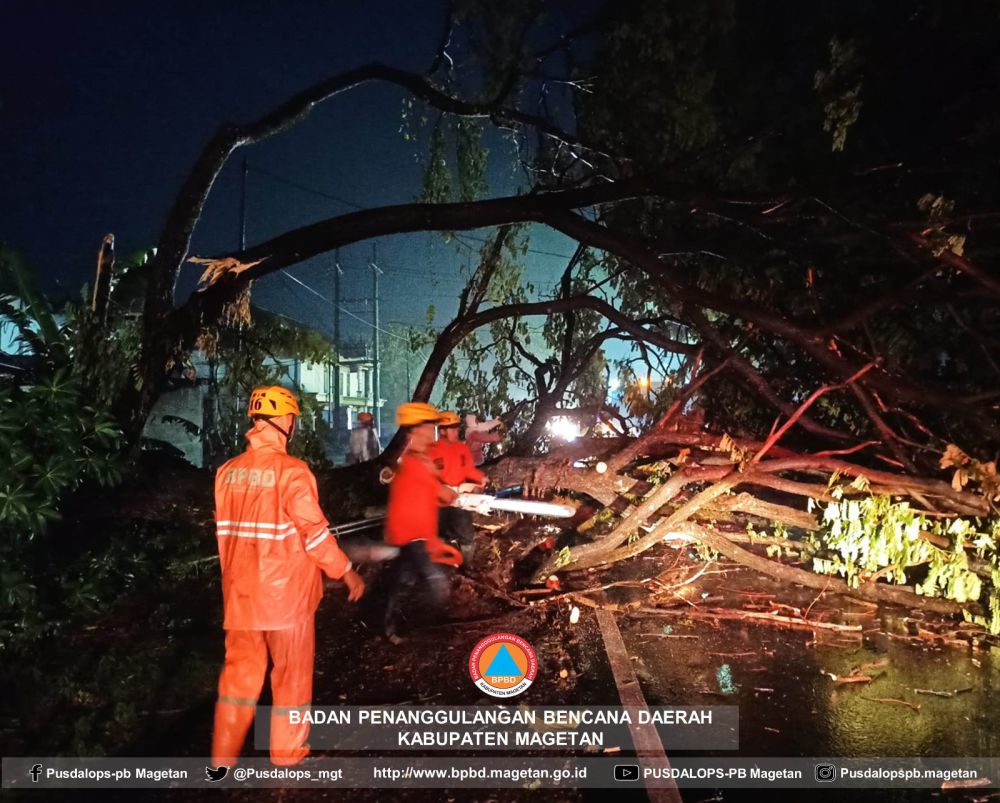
column 873, row 592
column 102, row 282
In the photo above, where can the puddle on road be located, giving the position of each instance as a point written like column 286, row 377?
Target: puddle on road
column 789, row 704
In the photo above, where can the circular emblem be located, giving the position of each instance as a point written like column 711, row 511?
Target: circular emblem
column 503, row 665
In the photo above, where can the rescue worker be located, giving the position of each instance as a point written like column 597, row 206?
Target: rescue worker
column 477, row 435
column 363, row 442
column 411, row 522
column 455, row 463
column 274, row 547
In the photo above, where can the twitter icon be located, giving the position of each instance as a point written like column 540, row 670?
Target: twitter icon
column 216, row 774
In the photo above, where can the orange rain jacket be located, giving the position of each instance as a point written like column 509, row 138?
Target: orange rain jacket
column 454, row 461
column 274, row 541
column 415, row 495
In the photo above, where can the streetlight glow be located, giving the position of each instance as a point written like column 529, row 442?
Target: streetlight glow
column 563, row 428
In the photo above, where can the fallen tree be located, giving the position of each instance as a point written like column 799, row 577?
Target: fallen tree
column 730, row 236
column 720, row 223
column 672, row 484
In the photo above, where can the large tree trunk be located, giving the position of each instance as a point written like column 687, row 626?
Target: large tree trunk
column 705, row 481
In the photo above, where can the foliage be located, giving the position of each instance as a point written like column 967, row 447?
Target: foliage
column 54, row 442
column 656, row 79
column 729, row 98
column 437, row 178
column 840, row 86
column 110, row 635
column 872, row 537
column 781, row 197
column 938, row 210
column 59, row 578
column 57, row 435
column 456, row 162
column 983, row 474
column 242, row 358
column 482, row 375
column 55, row 425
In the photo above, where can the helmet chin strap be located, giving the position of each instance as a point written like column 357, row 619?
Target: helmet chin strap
column 288, row 434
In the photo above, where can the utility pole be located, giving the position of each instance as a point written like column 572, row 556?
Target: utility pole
column 243, row 206
column 376, row 368
column 243, row 246
column 336, row 345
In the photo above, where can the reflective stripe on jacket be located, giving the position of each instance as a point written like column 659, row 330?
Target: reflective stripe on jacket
column 274, row 541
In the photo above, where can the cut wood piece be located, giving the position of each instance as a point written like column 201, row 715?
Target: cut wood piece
column 893, row 701
column 741, row 615
column 648, row 747
column 936, row 693
column 842, row 679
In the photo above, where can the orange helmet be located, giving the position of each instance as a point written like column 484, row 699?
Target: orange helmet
column 412, row 414
column 448, row 419
column 365, row 418
column 271, row 401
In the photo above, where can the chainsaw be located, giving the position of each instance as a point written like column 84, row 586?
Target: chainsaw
column 365, row 550
column 486, row 504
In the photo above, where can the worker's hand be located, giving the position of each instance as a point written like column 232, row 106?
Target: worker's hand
column 355, row 585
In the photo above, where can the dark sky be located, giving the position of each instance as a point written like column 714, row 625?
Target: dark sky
column 105, row 105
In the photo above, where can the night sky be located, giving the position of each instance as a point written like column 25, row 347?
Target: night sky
column 105, row 107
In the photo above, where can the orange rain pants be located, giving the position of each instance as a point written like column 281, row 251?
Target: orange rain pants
column 241, row 682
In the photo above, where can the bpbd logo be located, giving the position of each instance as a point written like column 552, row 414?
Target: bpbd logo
column 503, row 665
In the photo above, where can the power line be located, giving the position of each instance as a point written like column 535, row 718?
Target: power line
column 467, row 236
column 422, row 353
column 304, row 188
column 298, row 281
column 269, row 311
column 341, row 308
column 320, row 193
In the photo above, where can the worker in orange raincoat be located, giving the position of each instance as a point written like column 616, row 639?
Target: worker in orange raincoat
column 455, row 462
column 274, row 547
column 411, row 521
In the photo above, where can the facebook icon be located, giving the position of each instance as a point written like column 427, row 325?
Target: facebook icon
column 34, row 772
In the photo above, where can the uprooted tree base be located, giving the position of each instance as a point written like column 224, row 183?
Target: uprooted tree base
column 710, row 489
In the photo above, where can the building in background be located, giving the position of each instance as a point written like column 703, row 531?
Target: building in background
column 357, row 387
column 181, row 414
